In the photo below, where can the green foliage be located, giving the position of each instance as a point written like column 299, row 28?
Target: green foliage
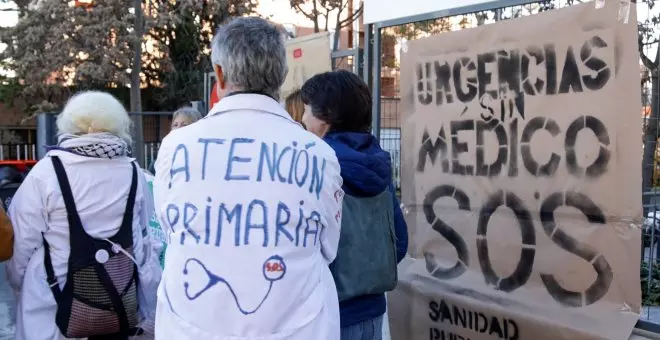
column 650, row 288
column 10, row 90
column 56, row 47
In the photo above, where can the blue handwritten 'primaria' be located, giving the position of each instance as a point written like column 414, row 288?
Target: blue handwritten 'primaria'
column 288, row 164
column 248, row 223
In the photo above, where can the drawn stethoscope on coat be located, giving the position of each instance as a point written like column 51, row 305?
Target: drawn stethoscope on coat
column 273, row 270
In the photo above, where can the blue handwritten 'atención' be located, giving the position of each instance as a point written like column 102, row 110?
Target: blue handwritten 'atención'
column 288, row 164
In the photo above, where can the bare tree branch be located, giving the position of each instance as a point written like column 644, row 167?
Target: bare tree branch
column 327, row 18
column 308, row 15
column 349, row 20
column 645, row 60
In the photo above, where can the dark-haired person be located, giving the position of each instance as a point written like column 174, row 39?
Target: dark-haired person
column 374, row 233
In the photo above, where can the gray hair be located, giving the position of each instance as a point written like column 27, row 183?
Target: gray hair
column 191, row 113
column 252, row 55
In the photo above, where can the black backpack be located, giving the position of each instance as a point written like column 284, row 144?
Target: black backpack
column 100, row 294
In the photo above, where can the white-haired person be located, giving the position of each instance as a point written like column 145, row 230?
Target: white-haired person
column 252, row 202
column 83, row 265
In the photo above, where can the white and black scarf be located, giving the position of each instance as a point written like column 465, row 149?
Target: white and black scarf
column 97, row 145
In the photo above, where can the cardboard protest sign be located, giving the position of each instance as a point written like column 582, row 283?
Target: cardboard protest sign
column 306, row 56
column 521, row 163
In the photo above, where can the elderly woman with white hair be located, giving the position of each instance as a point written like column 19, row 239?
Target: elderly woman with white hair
column 83, row 265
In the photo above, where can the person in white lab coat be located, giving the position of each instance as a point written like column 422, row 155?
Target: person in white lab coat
column 252, row 204
column 93, row 150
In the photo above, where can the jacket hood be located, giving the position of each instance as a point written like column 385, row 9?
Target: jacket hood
column 365, row 167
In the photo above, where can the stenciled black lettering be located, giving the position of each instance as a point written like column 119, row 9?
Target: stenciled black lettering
column 483, row 326
column 460, row 147
column 445, row 313
column 534, row 168
column 594, row 215
column 598, row 66
column 490, row 111
column 424, row 85
column 460, row 316
column 524, row 268
column 570, row 76
column 550, row 69
column 599, row 166
column 513, row 148
column 435, row 334
column 465, row 91
column 485, row 77
column 496, row 328
column 536, row 87
column 434, row 311
column 442, row 83
column 446, row 231
column 431, row 150
column 495, row 168
column 508, row 66
column 511, row 330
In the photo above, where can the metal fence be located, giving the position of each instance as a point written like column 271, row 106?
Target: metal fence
column 390, row 121
column 18, row 152
column 351, row 60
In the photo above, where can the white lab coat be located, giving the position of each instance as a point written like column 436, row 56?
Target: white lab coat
column 246, row 276
column 100, row 189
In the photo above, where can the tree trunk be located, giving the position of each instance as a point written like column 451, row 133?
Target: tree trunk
column 651, row 139
column 350, row 27
column 337, row 35
column 136, row 95
column 315, row 12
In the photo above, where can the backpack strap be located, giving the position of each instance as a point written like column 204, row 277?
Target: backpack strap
column 125, row 235
column 50, row 273
column 75, row 226
column 67, row 195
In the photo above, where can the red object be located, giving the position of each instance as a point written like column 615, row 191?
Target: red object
column 21, row 166
column 297, row 53
column 274, row 267
column 214, row 96
column 85, row 4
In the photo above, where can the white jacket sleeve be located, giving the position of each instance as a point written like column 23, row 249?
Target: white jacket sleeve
column 332, row 197
column 29, row 217
column 149, row 271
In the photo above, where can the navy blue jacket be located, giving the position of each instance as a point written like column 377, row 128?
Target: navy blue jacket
column 367, row 171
